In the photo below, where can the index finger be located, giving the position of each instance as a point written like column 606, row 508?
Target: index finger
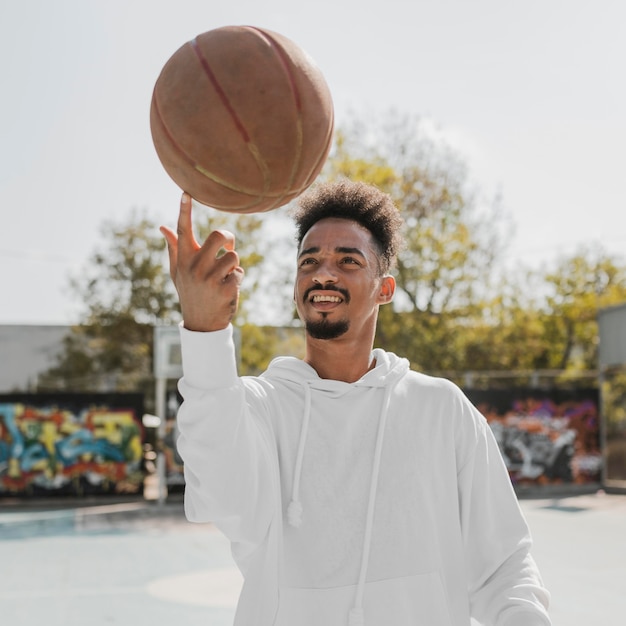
column 186, row 239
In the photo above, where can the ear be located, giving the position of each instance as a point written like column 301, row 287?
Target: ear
column 387, row 289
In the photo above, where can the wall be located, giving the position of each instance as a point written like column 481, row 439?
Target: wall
column 71, row 444
column 547, row 437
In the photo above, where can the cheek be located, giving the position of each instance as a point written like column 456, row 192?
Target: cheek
column 298, row 291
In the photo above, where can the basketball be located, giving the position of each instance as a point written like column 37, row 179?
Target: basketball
column 241, row 119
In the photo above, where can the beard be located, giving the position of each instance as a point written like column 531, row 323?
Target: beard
column 325, row 329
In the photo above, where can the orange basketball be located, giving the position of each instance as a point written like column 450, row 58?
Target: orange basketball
column 241, row 119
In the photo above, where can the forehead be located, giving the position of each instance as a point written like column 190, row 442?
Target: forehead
column 335, row 232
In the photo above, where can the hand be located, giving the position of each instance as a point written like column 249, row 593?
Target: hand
column 207, row 285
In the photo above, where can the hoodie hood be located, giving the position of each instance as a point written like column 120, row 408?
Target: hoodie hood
column 388, row 370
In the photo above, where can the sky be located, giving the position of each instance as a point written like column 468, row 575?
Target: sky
column 530, row 94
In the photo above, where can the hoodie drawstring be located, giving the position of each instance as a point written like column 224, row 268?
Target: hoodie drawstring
column 294, row 511
column 356, row 617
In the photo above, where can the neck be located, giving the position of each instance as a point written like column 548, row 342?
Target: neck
column 341, row 359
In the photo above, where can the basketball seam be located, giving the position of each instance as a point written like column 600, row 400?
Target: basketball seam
column 252, row 147
column 174, row 144
column 283, row 58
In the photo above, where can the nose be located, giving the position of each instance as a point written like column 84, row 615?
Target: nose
column 324, row 274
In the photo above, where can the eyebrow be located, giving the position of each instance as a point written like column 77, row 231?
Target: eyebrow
column 338, row 249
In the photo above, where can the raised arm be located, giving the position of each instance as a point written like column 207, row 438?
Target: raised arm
column 224, row 435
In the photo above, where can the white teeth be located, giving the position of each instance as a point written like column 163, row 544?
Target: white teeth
column 326, row 299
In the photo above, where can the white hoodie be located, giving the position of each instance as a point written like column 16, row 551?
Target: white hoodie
column 383, row 502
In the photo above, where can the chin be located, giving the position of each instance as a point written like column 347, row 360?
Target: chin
column 325, row 329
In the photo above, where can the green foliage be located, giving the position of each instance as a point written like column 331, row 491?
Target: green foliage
column 127, row 279
column 260, row 344
column 126, row 289
column 453, row 311
column 444, row 273
column 579, row 287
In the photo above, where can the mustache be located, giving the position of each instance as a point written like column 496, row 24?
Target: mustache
column 343, row 292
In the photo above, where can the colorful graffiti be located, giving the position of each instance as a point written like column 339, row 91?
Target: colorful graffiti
column 82, row 445
column 545, row 438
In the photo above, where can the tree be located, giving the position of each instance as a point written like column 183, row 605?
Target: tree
column 445, row 274
column 578, row 287
column 455, row 311
column 126, row 289
column 547, row 319
column 507, row 340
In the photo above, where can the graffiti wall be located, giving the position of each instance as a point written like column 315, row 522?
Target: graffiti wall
column 79, row 444
column 546, row 437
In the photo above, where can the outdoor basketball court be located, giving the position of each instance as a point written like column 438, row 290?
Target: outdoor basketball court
column 136, row 563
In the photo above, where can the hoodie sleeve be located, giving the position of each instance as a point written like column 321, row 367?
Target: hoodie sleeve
column 505, row 587
column 225, row 445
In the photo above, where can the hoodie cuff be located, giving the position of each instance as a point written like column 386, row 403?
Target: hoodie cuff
column 209, row 360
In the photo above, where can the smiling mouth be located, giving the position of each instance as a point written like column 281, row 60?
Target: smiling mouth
column 328, row 295
column 325, row 298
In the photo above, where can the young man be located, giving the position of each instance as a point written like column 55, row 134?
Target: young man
column 354, row 490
